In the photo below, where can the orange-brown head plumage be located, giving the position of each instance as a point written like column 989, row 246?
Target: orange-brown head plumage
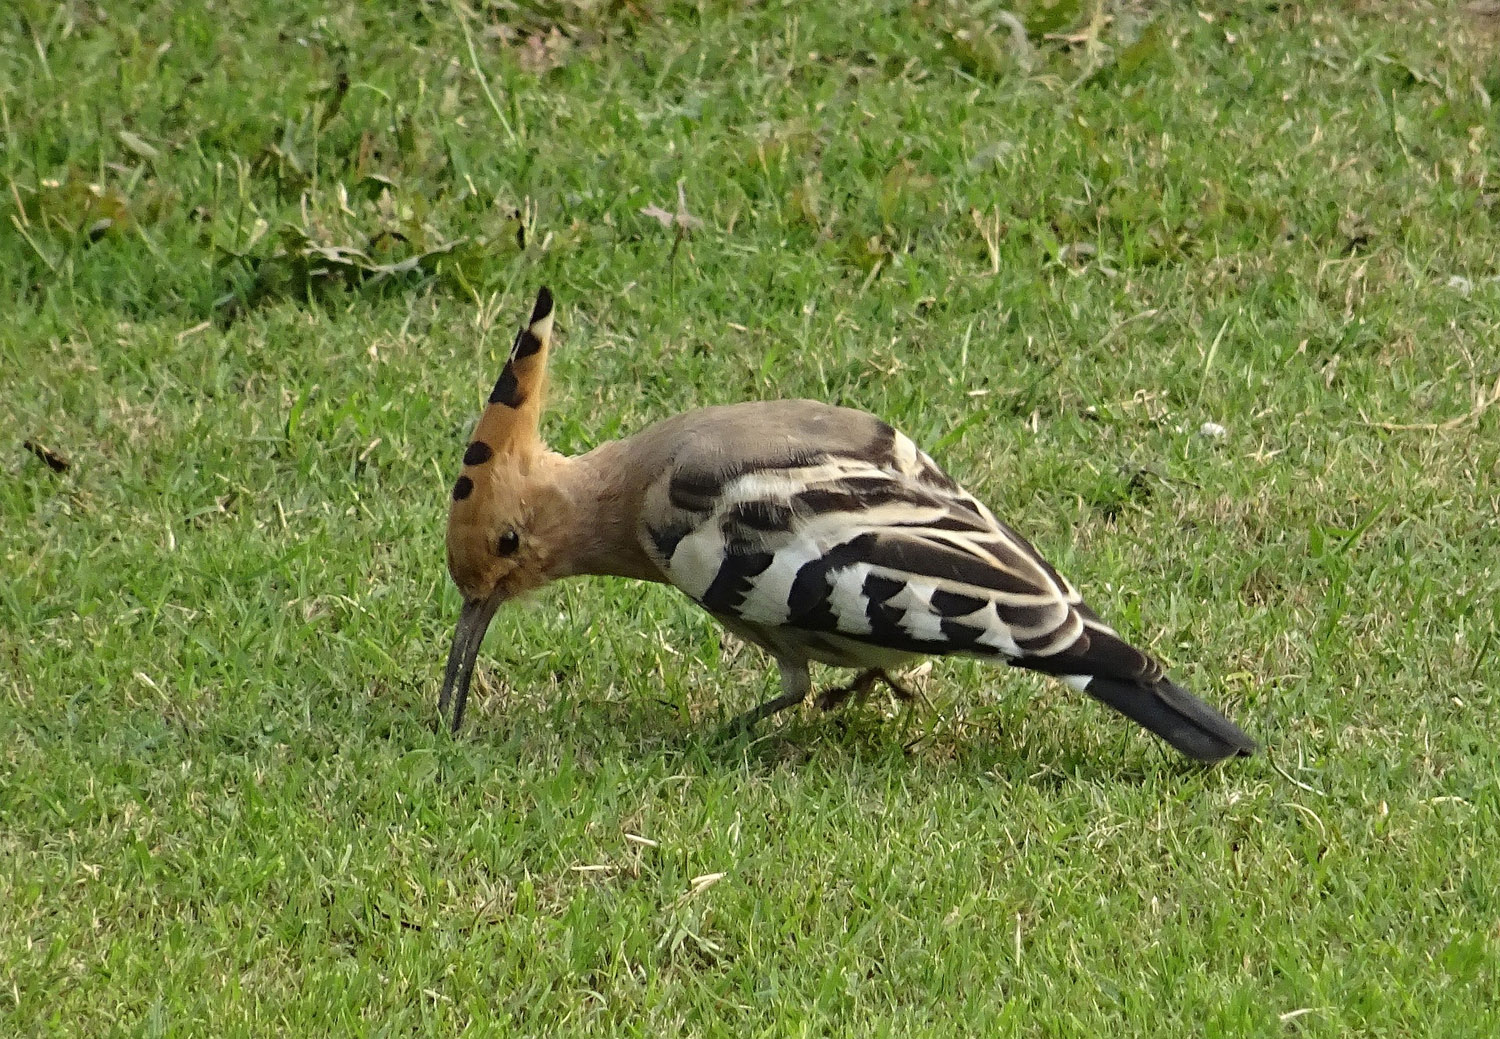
column 507, row 503
column 504, row 472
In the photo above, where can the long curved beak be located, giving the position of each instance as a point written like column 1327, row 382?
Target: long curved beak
column 473, row 622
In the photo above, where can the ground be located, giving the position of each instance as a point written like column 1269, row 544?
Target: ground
column 1203, row 298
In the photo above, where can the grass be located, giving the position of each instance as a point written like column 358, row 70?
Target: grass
column 224, row 805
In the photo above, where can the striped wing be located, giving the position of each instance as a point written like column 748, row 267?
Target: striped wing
column 879, row 548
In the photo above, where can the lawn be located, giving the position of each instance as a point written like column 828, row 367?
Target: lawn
column 1204, row 298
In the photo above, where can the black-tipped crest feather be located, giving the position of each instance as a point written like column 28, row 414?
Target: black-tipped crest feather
column 543, row 307
column 507, row 389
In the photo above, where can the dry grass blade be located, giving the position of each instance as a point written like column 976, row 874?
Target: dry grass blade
column 1483, row 401
column 681, row 219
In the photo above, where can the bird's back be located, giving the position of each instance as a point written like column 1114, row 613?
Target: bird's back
column 800, row 515
column 771, row 434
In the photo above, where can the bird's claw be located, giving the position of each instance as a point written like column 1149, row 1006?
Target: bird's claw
column 861, row 687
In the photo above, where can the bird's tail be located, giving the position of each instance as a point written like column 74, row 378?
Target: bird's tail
column 1175, row 715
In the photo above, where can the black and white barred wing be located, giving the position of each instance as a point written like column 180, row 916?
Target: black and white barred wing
column 888, row 553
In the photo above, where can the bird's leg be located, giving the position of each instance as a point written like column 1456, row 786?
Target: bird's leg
column 795, row 684
column 864, row 682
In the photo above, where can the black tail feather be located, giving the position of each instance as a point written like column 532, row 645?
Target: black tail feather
column 1175, row 715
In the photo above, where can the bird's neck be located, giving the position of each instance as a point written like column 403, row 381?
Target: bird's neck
column 604, row 489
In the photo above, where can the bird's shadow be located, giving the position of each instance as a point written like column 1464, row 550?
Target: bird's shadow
column 1003, row 743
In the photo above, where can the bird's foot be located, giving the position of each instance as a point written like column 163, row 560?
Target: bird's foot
column 861, row 687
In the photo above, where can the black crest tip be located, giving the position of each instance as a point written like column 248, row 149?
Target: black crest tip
column 543, row 307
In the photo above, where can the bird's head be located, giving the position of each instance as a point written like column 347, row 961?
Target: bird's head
column 507, row 505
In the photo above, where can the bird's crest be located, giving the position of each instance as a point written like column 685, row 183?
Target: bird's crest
column 509, row 428
column 510, row 423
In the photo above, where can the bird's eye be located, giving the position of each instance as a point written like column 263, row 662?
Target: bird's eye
column 508, row 543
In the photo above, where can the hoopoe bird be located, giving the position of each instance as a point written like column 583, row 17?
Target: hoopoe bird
column 816, row 532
